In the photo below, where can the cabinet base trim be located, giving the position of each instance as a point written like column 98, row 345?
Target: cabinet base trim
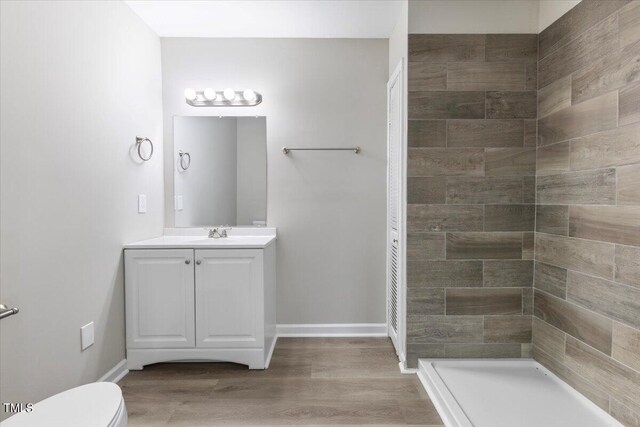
column 333, row 330
column 270, row 354
column 138, row 358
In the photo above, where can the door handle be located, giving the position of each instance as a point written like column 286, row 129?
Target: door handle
column 6, row 312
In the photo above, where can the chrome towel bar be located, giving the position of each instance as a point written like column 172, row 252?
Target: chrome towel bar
column 6, row 312
column 286, row 150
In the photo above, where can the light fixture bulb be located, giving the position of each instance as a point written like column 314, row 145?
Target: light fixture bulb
column 249, row 95
column 190, row 94
column 210, row 94
column 229, row 94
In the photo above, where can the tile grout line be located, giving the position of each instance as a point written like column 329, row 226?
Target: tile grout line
column 575, row 304
column 577, row 36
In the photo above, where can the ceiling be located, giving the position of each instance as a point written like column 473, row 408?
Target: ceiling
column 269, row 18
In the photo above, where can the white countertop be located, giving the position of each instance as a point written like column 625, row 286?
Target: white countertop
column 238, row 239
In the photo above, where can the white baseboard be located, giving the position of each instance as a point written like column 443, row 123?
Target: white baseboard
column 405, row 370
column 333, row 330
column 116, row 373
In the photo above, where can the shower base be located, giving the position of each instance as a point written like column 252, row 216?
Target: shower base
column 506, row 393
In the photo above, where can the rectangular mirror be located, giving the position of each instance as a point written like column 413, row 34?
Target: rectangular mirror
column 220, row 171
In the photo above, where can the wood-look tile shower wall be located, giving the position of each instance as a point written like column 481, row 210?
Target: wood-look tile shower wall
column 586, row 327
column 471, row 195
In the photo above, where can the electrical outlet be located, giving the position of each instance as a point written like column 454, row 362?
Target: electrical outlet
column 87, row 336
column 142, row 203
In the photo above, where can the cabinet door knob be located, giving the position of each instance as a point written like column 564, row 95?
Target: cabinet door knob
column 198, row 262
column 187, row 261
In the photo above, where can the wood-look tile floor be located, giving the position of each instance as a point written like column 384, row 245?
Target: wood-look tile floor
column 311, row 381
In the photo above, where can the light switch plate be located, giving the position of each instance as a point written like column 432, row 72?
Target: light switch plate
column 142, row 203
column 179, row 203
column 87, row 336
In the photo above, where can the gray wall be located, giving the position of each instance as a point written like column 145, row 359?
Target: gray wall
column 473, row 16
column 398, row 41
column 79, row 81
column 587, row 277
column 484, row 16
column 329, row 207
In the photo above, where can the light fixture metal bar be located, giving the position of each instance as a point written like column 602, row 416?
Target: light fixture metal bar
column 220, row 101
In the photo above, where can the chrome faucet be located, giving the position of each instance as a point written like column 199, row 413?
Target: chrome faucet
column 218, row 232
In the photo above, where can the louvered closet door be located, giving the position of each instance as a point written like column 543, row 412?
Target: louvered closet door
column 393, row 298
column 393, row 210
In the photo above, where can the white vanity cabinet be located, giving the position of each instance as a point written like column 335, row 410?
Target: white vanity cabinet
column 213, row 304
column 159, row 295
column 229, row 305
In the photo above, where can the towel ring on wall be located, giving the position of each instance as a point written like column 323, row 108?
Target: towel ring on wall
column 183, row 155
column 139, row 141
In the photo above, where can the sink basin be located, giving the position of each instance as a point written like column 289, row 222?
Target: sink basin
column 221, row 240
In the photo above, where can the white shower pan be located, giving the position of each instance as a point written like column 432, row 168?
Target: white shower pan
column 506, row 393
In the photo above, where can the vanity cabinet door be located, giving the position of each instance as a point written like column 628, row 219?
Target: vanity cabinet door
column 229, row 298
column 159, row 295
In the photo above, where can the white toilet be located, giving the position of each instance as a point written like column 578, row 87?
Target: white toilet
column 91, row 405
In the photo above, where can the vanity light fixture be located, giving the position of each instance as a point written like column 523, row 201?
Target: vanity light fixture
column 249, row 95
column 190, row 94
column 229, row 97
column 229, row 94
column 210, row 94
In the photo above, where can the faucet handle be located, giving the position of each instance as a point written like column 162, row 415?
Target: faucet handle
column 223, row 230
column 214, row 232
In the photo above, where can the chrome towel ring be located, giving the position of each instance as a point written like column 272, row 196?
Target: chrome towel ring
column 184, row 155
column 139, row 141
